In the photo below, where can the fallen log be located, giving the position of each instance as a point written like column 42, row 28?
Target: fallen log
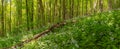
column 37, row 36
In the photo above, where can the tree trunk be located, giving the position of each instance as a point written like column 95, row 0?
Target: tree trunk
column 2, row 19
column 64, row 9
column 110, row 4
column 101, row 5
column 40, row 12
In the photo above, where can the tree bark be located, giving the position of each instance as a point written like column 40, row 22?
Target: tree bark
column 40, row 12
column 2, row 18
column 101, row 5
column 110, row 4
column 64, row 9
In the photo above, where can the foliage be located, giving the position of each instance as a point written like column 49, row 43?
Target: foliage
column 25, row 15
column 99, row 31
column 21, row 19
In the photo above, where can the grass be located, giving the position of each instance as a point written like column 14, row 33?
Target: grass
column 98, row 31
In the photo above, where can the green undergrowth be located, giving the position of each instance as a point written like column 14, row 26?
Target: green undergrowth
column 13, row 39
column 98, row 31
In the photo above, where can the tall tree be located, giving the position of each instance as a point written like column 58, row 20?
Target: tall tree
column 72, row 8
column 27, row 14
column 41, row 17
column 18, row 4
column 101, row 5
column 10, row 16
column 91, row 6
column 50, row 7
column 86, row 6
column 78, row 7
column 55, row 11
column 31, row 13
column 82, row 4
column 60, row 2
column 2, row 16
column 64, row 9
column 95, row 5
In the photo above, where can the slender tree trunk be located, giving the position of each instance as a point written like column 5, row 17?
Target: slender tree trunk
column 101, row 5
column 54, row 12
column 91, row 6
column 71, row 8
column 32, row 14
column 40, row 12
column 10, row 16
column 50, row 7
column 78, row 6
column 19, row 13
column 64, row 9
column 82, row 7
column 70, row 15
column 86, row 7
column 60, row 10
column 95, row 5
column 5, row 14
column 110, row 4
column 28, row 25
column 2, row 18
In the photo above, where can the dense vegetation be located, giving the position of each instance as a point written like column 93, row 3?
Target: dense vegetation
column 99, row 31
column 96, row 27
column 25, row 15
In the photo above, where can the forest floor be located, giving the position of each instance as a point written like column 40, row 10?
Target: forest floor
column 98, row 31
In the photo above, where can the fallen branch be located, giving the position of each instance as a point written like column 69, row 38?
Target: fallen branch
column 37, row 36
column 21, row 44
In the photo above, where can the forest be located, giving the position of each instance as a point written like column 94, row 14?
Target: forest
column 59, row 24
